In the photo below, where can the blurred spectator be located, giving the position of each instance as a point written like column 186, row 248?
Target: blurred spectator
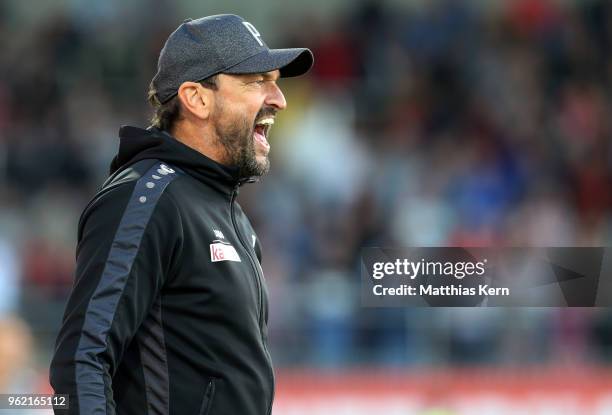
column 9, row 279
column 443, row 123
column 17, row 371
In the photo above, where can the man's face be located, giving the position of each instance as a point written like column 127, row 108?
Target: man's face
column 244, row 111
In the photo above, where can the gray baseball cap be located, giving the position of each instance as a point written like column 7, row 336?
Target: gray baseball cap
column 223, row 43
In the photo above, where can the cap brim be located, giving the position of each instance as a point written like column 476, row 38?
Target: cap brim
column 290, row 62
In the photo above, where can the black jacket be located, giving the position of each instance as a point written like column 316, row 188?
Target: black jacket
column 169, row 309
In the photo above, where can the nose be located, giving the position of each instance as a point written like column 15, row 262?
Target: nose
column 275, row 97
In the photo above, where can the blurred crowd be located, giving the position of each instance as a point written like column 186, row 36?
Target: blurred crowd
column 452, row 123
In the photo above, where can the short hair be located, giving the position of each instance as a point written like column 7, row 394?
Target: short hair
column 166, row 114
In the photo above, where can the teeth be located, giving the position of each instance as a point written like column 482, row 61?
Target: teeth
column 266, row 121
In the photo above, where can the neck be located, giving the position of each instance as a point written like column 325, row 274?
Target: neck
column 200, row 139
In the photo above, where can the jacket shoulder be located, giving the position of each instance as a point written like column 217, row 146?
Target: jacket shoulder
column 140, row 185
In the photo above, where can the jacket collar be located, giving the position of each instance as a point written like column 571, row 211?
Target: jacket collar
column 137, row 144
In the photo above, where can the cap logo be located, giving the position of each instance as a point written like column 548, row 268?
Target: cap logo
column 254, row 32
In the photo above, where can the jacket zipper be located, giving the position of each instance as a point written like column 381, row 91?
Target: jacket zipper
column 208, row 397
column 259, row 282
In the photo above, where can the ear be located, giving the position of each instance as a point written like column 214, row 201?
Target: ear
column 196, row 99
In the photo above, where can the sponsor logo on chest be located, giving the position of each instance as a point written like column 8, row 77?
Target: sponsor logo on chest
column 221, row 250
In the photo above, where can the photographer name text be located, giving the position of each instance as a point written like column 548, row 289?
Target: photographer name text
column 404, row 268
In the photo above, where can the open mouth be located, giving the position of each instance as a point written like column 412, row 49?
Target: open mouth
column 262, row 129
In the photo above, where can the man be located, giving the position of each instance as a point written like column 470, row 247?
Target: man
column 169, row 308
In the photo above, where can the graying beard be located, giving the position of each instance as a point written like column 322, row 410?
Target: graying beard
column 239, row 146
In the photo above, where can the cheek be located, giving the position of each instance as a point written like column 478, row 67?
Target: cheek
column 238, row 111
column 224, row 116
column 253, row 105
column 248, row 115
